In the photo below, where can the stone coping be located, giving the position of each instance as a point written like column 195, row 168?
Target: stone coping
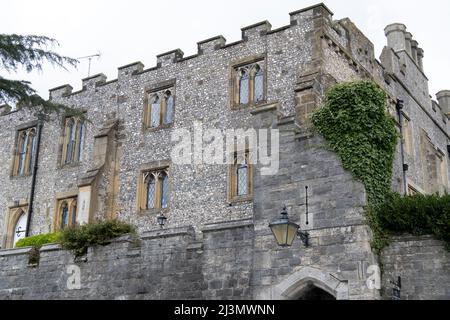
column 15, row 251
column 228, row 225
column 165, row 233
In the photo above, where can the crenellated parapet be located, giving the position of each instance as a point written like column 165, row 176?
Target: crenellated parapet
column 319, row 14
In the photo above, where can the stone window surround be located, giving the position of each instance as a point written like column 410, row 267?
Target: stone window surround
column 408, row 136
column 140, row 197
column 415, row 187
column 60, row 158
column 15, row 211
column 60, row 197
column 22, row 127
column 442, row 167
column 232, row 196
column 153, row 88
column 234, row 84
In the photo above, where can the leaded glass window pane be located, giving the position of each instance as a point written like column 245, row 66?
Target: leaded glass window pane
column 164, row 190
column 151, row 190
column 71, row 141
column 33, row 150
column 23, row 153
column 155, row 112
column 244, row 88
column 65, row 216
column 169, row 108
column 259, row 86
column 242, row 180
column 74, row 214
column 80, row 143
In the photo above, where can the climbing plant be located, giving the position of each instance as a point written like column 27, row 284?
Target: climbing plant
column 355, row 124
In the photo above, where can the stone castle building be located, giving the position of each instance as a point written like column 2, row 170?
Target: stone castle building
column 216, row 243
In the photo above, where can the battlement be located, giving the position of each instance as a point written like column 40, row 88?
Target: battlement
column 400, row 40
column 249, row 33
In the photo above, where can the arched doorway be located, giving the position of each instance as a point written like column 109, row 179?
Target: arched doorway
column 313, row 293
column 308, row 283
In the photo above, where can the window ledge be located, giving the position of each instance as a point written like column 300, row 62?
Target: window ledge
column 160, row 128
column 240, row 200
column 250, row 106
column 20, row 177
column 152, row 212
column 70, row 165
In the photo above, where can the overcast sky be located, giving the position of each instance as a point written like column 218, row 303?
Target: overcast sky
column 129, row 31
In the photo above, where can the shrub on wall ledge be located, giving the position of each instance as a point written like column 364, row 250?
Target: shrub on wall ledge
column 417, row 215
column 39, row 240
column 79, row 238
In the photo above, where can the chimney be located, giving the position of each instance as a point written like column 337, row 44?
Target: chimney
column 396, row 37
column 420, row 55
column 408, row 42
column 414, row 48
column 444, row 101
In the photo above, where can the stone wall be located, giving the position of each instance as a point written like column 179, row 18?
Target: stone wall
column 232, row 261
column 423, row 264
column 162, row 265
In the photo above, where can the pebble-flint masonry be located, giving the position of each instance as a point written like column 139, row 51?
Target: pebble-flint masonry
column 216, row 243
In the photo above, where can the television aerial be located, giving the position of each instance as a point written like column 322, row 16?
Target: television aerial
column 90, row 59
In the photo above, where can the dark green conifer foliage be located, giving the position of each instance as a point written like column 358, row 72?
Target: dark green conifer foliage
column 29, row 52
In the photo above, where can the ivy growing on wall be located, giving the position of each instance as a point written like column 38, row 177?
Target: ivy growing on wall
column 355, row 123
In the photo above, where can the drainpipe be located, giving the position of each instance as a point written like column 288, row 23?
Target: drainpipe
column 35, row 169
column 399, row 107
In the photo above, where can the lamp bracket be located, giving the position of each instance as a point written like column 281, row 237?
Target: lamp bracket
column 304, row 236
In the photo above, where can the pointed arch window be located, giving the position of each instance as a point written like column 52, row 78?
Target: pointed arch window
column 168, row 114
column 17, row 225
column 154, row 192
column 249, row 84
column 73, row 140
column 159, row 109
column 25, row 152
column 244, row 86
column 66, row 214
column 241, row 177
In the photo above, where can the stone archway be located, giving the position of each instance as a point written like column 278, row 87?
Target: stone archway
column 313, row 293
column 310, row 282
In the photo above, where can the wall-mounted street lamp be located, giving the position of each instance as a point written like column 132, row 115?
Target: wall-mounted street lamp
column 161, row 219
column 285, row 231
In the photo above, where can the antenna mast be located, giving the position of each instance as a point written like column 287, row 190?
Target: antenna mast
column 90, row 59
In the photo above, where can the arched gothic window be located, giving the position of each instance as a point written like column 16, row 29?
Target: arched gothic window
column 244, row 86
column 154, row 190
column 241, row 177
column 159, row 110
column 164, row 189
column 168, row 114
column 20, row 227
column 25, row 152
column 249, row 86
column 258, row 84
column 16, row 225
column 66, row 215
column 73, row 140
